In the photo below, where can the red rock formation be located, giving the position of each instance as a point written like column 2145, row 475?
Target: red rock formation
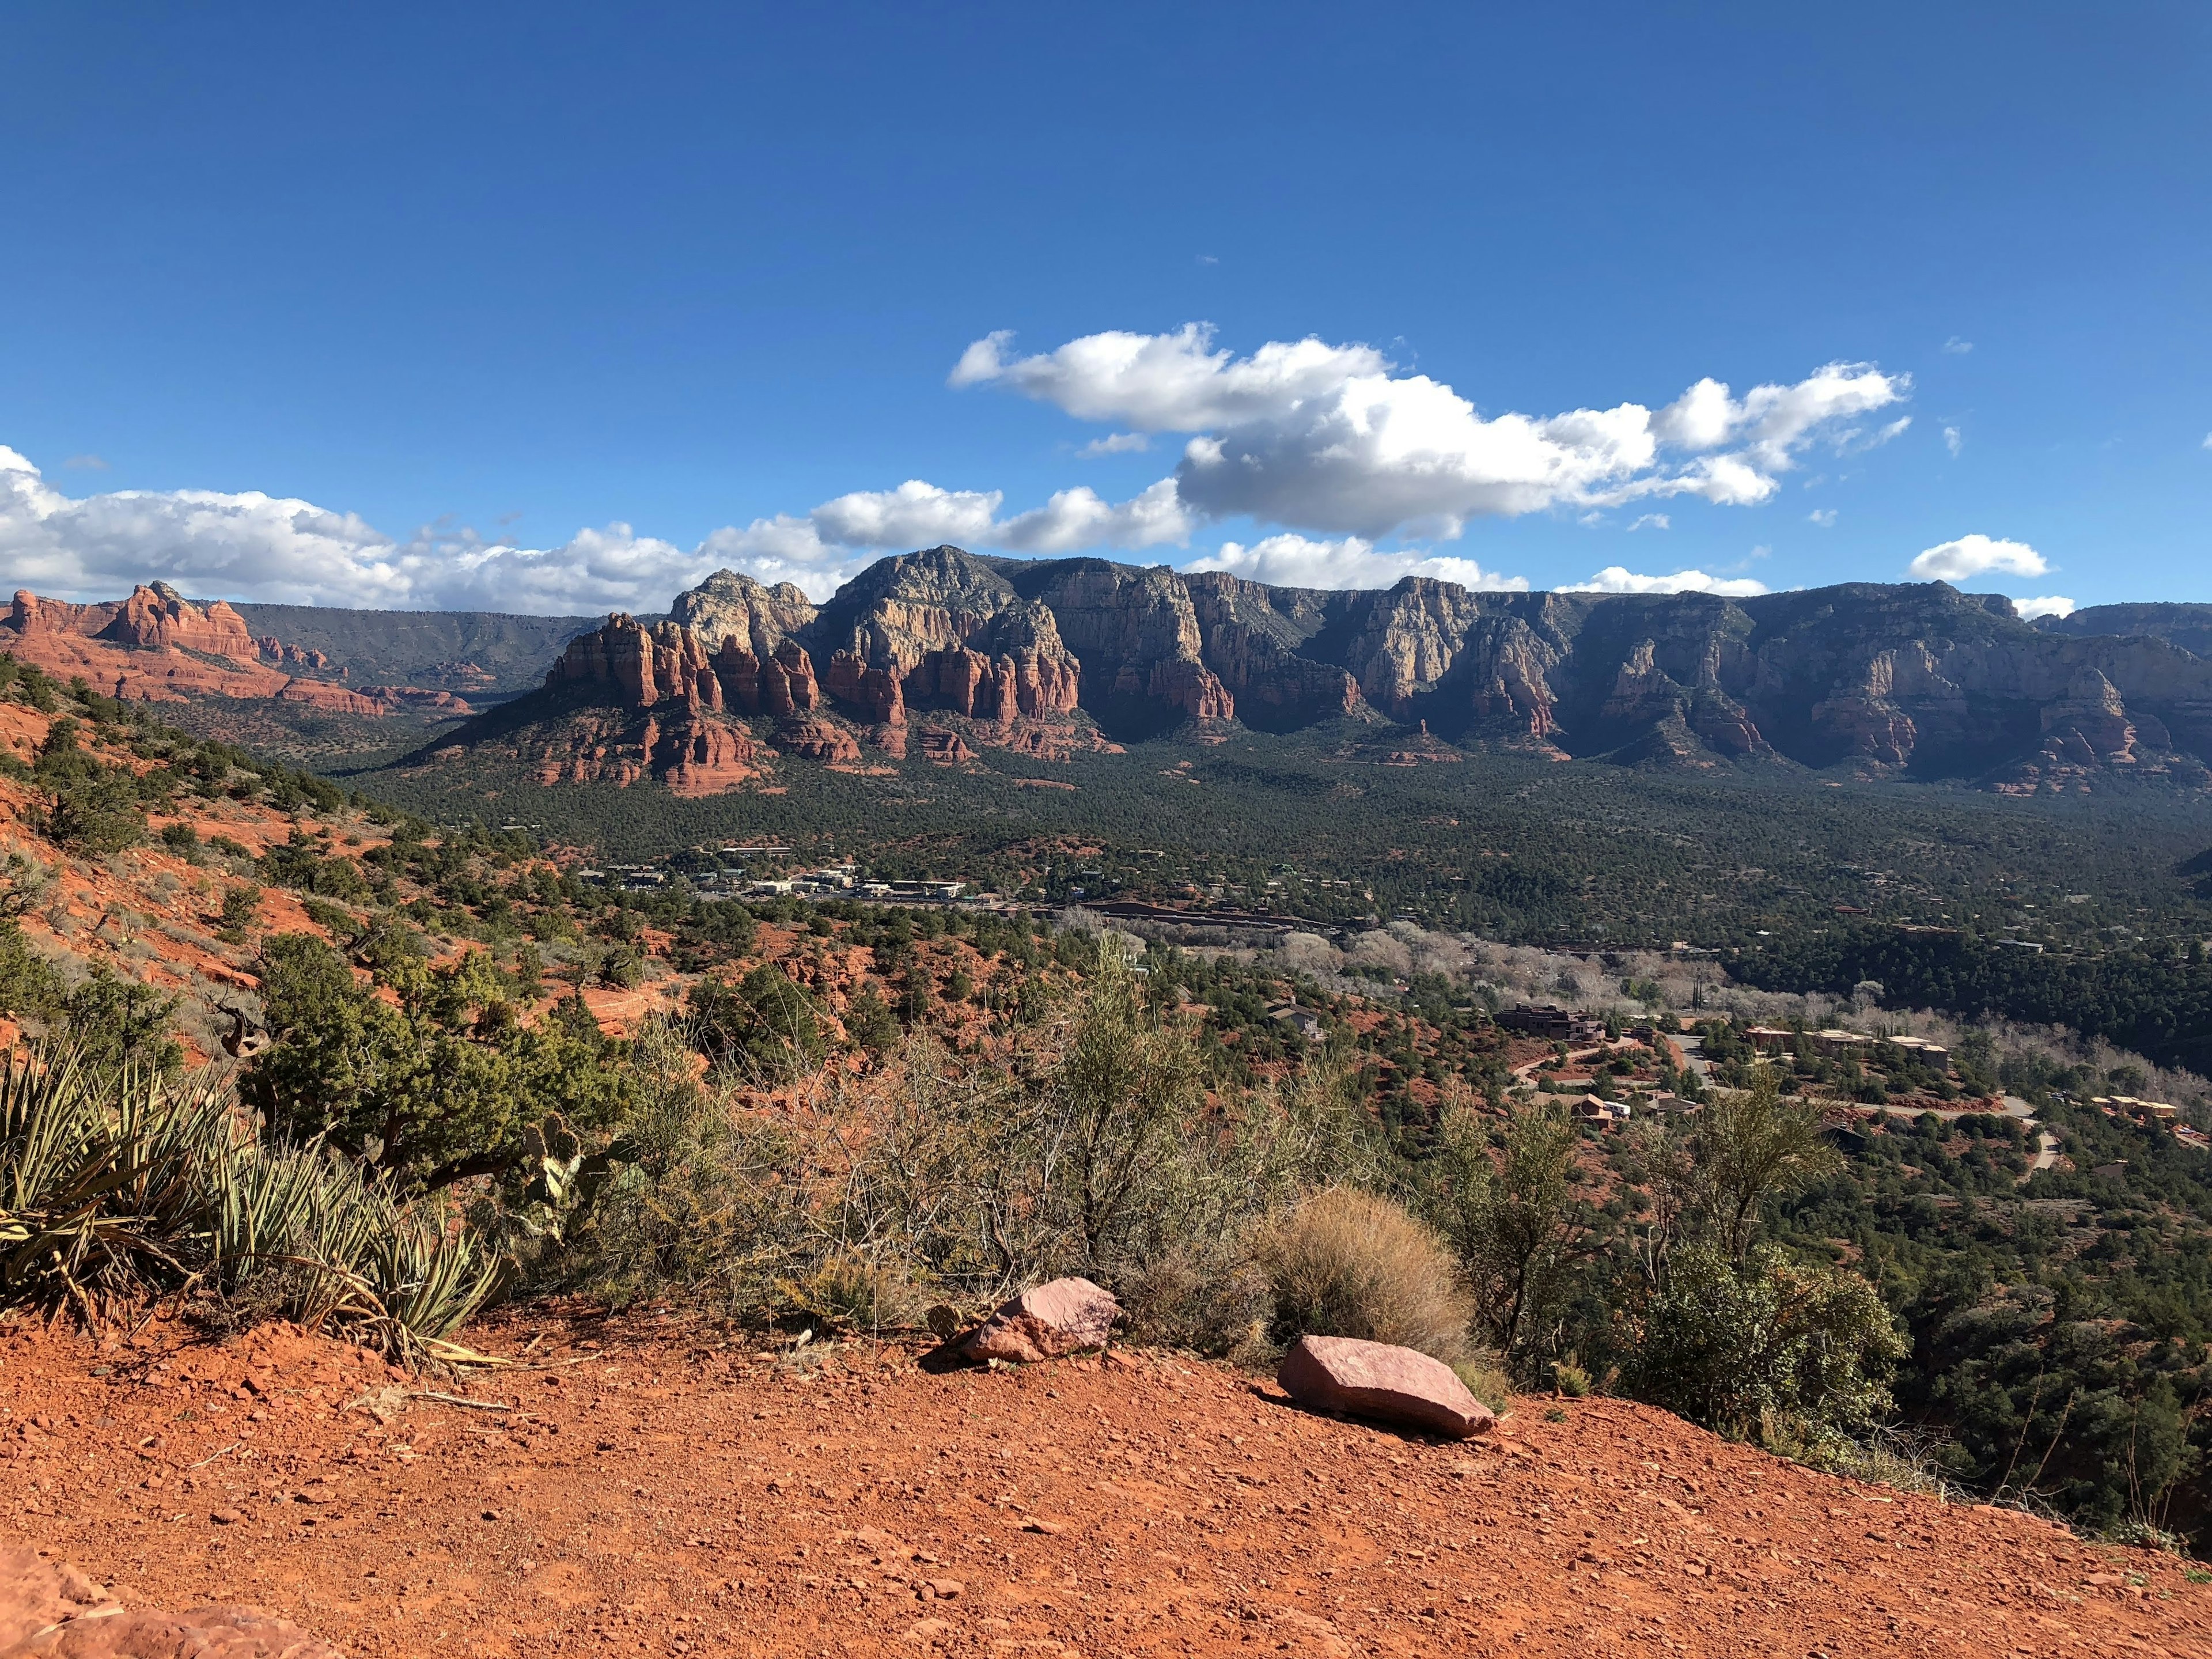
column 944, row 748
column 157, row 617
column 787, row 685
column 701, row 756
column 729, row 605
column 418, row 697
column 879, row 694
column 942, row 629
column 647, row 666
column 274, row 650
column 156, row 647
column 816, row 740
column 1191, row 687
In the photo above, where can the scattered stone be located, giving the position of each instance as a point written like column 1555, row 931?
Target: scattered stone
column 50, row 1610
column 945, row 1590
column 37, row 1591
column 1378, row 1380
column 1045, row 1323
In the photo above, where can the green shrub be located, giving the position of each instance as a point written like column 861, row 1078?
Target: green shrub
column 766, row 1029
column 436, row 1084
column 1769, row 1339
column 1487, row 1381
column 95, row 814
column 855, row 1292
column 241, row 909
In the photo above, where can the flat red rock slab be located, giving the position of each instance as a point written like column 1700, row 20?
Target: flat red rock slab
column 1378, row 1380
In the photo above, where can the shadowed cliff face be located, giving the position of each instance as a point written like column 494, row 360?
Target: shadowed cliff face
column 1907, row 680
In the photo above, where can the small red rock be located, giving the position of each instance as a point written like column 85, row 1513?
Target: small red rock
column 1045, row 1323
column 1378, row 1380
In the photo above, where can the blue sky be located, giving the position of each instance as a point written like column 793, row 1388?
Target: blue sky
column 555, row 308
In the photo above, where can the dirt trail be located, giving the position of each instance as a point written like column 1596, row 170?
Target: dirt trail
column 663, row 1493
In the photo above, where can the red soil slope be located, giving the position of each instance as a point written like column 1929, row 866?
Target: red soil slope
column 665, row 1493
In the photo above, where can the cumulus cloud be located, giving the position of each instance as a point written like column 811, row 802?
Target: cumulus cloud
column 1823, row 516
column 1976, row 555
column 2049, row 604
column 1618, row 579
column 1958, row 348
column 1116, row 443
column 254, row 546
column 1330, row 438
column 1953, row 441
column 1296, row 562
column 916, row 514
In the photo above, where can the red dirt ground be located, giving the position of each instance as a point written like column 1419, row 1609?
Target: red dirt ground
column 664, row 1491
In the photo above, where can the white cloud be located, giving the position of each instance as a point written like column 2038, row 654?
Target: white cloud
column 1116, row 443
column 1327, row 437
column 916, row 514
column 2208, row 440
column 1957, row 346
column 1168, row 382
column 1616, row 579
column 1822, row 516
column 1953, row 441
column 1975, row 555
column 1651, row 521
column 1075, row 519
column 253, row 546
column 2051, row 604
column 1296, row 562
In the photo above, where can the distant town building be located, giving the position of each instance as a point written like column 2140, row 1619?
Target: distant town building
column 1552, row 1024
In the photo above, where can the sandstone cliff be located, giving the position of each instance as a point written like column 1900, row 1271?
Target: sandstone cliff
column 943, row 629
column 1918, row 680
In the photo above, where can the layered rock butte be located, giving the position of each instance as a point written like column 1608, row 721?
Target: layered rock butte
column 1043, row 656
column 156, row 645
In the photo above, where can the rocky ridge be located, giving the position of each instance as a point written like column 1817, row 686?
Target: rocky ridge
column 1044, row 657
column 156, row 645
column 1906, row 680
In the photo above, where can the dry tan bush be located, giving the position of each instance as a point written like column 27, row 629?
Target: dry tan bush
column 1350, row 1263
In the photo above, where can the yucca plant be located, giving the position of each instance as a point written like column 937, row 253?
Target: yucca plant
column 117, row 1184
column 104, row 1177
